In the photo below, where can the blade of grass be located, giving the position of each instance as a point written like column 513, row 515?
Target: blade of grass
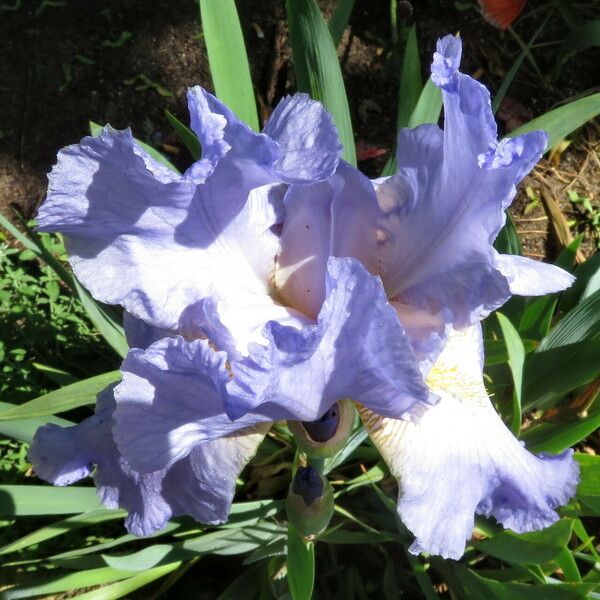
column 228, row 59
column 317, row 67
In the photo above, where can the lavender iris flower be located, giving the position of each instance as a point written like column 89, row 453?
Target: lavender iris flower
column 272, row 279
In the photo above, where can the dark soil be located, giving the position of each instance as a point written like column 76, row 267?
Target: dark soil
column 61, row 65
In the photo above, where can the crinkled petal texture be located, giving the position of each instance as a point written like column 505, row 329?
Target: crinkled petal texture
column 356, row 349
column 445, row 206
column 170, row 400
column 201, row 485
column 157, row 242
column 457, row 458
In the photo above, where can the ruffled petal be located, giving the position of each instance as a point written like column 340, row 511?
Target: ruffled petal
column 357, row 349
column 201, row 485
column 141, row 236
column 169, row 401
column 337, row 217
column 457, row 458
column 308, row 140
column 443, row 209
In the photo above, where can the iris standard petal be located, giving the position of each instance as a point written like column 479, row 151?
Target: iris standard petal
column 357, row 349
column 156, row 242
column 457, row 458
column 444, row 207
column 337, row 217
column 169, row 400
column 309, row 143
column 152, row 245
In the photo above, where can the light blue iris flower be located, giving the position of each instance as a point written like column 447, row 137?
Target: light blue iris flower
column 272, row 279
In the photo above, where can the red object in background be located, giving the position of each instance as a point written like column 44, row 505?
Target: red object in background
column 501, row 13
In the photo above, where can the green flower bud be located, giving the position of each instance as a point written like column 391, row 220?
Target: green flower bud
column 309, row 503
column 326, row 436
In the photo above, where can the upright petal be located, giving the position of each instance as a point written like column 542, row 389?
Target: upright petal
column 457, row 458
column 357, row 349
column 169, row 401
column 337, row 217
column 308, row 140
column 445, row 205
column 141, row 236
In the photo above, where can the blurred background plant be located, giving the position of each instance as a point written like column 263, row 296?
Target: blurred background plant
column 65, row 63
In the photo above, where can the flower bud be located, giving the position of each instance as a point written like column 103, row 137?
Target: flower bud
column 327, row 435
column 309, row 503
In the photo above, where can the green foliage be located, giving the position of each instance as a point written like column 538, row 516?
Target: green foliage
column 228, row 60
column 317, row 67
column 58, row 348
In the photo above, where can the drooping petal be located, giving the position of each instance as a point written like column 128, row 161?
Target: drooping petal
column 308, row 139
column 457, row 458
column 170, row 400
column 357, row 349
column 201, row 485
column 215, row 466
column 444, row 207
column 337, row 217
column 63, row 456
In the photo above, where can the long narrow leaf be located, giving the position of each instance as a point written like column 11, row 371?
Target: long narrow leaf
column 508, row 78
column 317, row 67
column 24, row 429
column 516, row 360
column 123, row 588
column 61, row 527
column 428, row 107
column 227, row 58
column 581, row 323
column 28, row 500
column 562, row 121
column 300, row 566
column 66, row 398
column 339, row 20
column 187, row 136
column 65, row 582
column 409, row 92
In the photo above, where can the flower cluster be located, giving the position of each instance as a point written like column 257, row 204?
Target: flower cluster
column 272, row 280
